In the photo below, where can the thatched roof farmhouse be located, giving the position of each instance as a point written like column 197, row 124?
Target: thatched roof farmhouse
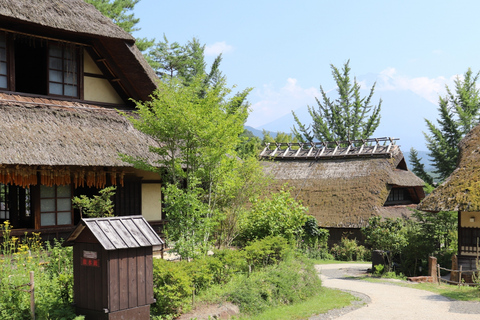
column 461, row 192
column 344, row 186
column 65, row 70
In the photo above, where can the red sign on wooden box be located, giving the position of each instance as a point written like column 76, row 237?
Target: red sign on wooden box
column 90, row 262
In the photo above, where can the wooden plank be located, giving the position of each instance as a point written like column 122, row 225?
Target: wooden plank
column 136, row 232
column 109, row 235
column 114, row 284
column 141, row 281
column 149, row 275
column 97, row 279
column 100, row 235
column 123, row 278
column 124, row 233
column 89, row 279
column 147, row 232
column 132, row 278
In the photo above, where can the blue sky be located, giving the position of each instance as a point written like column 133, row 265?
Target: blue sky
column 283, row 49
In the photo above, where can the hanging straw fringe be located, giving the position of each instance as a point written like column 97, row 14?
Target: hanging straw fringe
column 26, row 176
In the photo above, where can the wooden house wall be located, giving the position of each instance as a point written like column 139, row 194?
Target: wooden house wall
column 128, row 198
column 130, row 274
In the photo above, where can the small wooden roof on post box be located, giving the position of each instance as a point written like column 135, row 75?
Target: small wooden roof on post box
column 113, row 267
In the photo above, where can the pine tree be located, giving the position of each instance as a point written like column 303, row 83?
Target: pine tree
column 349, row 117
column 459, row 113
column 419, row 167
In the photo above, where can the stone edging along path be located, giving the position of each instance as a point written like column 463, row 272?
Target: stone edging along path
column 388, row 301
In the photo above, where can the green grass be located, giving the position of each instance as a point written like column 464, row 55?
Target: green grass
column 327, row 299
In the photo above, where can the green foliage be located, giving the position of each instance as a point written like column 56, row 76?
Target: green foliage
column 379, row 269
column 349, row 250
column 429, row 234
column 52, row 275
column 281, row 137
column 290, row 281
column 99, row 206
column 198, row 127
column 314, row 243
column 172, row 287
column 458, row 114
column 280, row 214
column 249, row 146
column 266, row 251
column 349, row 117
column 388, row 235
column 118, row 11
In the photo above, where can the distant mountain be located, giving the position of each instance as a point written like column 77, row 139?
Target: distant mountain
column 256, row 132
column 259, row 133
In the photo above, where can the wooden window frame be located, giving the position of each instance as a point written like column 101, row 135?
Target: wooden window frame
column 38, row 211
column 10, row 61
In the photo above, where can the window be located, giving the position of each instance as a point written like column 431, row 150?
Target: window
column 15, row 205
column 398, row 195
column 55, row 205
column 4, row 203
column 39, row 66
column 3, row 62
column 62, row 70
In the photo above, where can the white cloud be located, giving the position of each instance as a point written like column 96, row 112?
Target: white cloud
column 218, row 48
column 428, row 88
column 274, row 103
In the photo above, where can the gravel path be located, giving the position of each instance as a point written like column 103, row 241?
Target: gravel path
column 387, row 301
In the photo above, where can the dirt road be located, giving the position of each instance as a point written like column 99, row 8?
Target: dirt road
column 389, row 301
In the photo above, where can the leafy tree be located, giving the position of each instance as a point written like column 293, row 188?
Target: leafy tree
column 277, row 215
column 458, row 114
column 388, row 235
column 198, row 129
column 281, row 137
column 249, row 146
column 349, row 117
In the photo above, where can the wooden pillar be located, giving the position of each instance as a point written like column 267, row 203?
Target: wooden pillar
column 454, row 274
column 432, row 268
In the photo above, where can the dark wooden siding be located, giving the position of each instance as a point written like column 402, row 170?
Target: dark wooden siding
column 90, row 282
column 131, row 278
column 128, row 198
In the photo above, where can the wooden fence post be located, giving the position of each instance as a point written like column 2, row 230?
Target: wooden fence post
column 32, row 295
column 460, row 276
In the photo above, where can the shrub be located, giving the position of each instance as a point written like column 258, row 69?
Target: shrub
column 288, row 282
column 349, row 250
column 267, row 251
column 314, row 243
column 279, row 215
column 172, row 287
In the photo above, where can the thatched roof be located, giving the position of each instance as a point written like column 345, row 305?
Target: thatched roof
column 79, row 22
column 460, row 191
column 346, row 192
column 68, row 15
column 36, row 131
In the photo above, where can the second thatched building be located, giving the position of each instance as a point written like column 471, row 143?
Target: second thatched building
column 345, row 183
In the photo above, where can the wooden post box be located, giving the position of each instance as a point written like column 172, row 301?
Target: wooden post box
column 113, row 267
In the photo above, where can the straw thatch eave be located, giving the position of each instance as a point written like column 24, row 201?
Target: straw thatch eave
column 63, row 15
column 460, row 191
column 46, row 132
column 344, row 193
